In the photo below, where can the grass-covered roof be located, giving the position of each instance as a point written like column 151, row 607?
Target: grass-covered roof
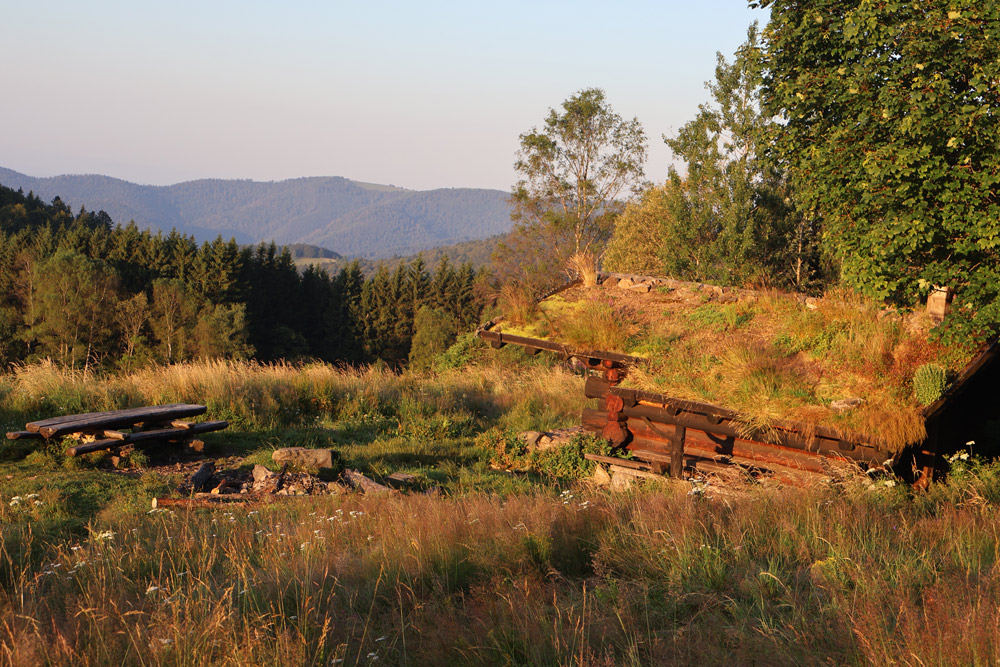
column 839, row 361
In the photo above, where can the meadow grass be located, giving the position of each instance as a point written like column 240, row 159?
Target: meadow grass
column 498, row 569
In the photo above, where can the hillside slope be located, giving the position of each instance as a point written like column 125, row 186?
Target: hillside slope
column 352, row 218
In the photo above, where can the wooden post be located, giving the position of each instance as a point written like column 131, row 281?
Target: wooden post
column 677, row 452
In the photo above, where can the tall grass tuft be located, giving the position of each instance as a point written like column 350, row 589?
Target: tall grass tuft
column 584, row 265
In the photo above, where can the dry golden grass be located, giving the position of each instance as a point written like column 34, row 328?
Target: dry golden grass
column 852, row 574
column 253, row 395
column 584, row 265
column 770, row 356
column 517, row 303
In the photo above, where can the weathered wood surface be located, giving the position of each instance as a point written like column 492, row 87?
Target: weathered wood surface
column 614, row 460
column 202, row 475
column 364, row 484
column 215, row 500
column 52, row 421
column 703, row 449
column 96, row 421
column 148, row 436
column 23, row 435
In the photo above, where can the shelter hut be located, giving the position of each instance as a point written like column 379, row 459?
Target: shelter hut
column 690, row 378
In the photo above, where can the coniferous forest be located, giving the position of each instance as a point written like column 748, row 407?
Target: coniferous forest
column 88, row 293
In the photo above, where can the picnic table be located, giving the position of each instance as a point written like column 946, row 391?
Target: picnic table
column 103, row 430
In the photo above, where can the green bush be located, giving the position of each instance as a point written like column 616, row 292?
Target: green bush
column 508, row 450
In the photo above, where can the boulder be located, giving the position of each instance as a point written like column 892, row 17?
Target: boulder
column 601, row 476
column 531, row 438
column 626, row 283
column 305, row 458
column 641, row 288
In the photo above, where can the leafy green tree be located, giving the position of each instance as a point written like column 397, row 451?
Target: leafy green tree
column 573, row 170
column 132, row 316
column 76, row 299
column 638, row 239
column 174, row 310
column 221, row 332
column 730, row 217
column 891, row 127
column 434, row 331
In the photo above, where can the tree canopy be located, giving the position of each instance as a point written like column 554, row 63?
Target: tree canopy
column 573, row 172
column 84, row 292
column 891, row 129
column 729, row 217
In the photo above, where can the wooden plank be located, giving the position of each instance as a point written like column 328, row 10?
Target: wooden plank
column 216, row 500
column 498, row 339
column 52, row 421
column 23, row 435
column 614, row 460
column 148, row 436
column 119, row 419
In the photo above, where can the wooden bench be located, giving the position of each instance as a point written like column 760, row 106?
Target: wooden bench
column 156, row 423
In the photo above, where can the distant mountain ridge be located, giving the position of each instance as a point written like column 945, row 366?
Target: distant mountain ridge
column 349, row 217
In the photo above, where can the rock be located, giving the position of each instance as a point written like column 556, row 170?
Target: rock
column 641, row 288
column 402, row 480
column 622, row 478
column 336, row 488
column 531, row 438
column 846, row 404
column 610, row 282
column 601, row 476
column 364, row 484
column 202, row 475
column 264, row 480
column 303, row 457
column 620, row 482
column 626, row 283
column 261, row 474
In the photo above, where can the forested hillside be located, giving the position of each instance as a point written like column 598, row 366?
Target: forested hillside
column 85, row 292
column 349, row 217
column 477, row 253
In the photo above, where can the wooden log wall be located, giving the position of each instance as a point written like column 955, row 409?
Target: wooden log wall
column 679, row 436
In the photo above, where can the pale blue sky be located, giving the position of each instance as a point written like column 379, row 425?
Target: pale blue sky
column 418, row 94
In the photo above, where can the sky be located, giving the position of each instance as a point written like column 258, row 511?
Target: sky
column 415, row 94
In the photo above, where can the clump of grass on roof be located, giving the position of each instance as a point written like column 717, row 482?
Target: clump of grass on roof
column 771, row 357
